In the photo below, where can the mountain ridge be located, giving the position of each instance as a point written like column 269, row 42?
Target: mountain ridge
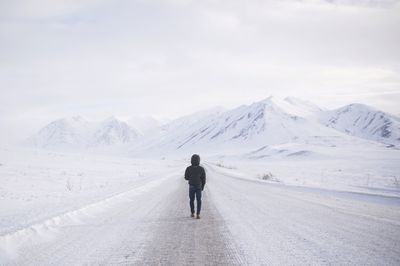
column 365, row 122
column 246, row 127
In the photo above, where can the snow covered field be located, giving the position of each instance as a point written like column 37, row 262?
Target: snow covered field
column 373, row 169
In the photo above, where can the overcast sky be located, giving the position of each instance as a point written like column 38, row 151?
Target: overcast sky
column 173, row 57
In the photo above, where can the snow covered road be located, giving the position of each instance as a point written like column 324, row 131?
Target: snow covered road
column 181, row 240
column 283, row 225
column 244, row 222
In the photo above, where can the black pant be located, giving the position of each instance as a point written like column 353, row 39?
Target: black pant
column 193, row 190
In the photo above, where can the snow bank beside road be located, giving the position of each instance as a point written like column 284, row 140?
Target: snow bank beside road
column 9, row 243
column 38, row 185
column 374, row 176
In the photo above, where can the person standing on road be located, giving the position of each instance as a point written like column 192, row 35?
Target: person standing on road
column 196, row 177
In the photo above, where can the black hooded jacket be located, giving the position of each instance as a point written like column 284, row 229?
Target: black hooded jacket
column 195, row 174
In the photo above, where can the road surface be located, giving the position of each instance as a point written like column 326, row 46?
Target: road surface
column 243, row 222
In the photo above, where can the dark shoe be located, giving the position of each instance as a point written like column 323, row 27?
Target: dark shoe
column 198, row 216
column 192, row 215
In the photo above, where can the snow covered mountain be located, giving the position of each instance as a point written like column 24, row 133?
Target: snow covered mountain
column 365, row 122
column 77, row 133
column 113, row 131
column 265, row 121
column 66, row 132
column 298, row 107
column 170, row 135
column 244, row 128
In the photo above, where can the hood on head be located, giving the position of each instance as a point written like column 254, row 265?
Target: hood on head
column 195, row 160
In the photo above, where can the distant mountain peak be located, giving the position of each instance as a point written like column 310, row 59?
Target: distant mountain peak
column 76, row 132
column 364, row 121
column 113, row 131
column 290, row 106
